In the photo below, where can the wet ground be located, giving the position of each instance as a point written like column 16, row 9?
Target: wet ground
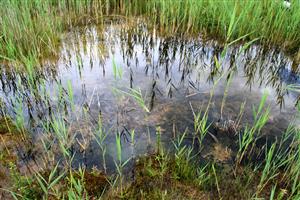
column 176, row 75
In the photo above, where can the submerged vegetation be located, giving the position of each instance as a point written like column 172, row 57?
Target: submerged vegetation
column 65, row 133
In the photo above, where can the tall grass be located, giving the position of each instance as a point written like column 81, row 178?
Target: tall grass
column 27, row 28
column 33, row 27
column 230, row 20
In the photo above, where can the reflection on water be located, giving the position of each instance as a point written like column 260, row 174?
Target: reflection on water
column 174, row 74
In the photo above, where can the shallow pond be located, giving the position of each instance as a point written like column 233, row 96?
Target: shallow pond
column 177, row 76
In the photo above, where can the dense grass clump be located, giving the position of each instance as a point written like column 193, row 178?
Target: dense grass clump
column 269, row 21
column 32, row 28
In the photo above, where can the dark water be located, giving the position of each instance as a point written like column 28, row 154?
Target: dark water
column 175, row 75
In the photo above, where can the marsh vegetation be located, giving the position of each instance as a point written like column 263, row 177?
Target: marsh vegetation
column 156, row 99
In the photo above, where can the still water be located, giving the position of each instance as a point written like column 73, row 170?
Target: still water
column 176, row 76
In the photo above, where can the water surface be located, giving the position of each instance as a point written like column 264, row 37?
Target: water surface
column 175, row 75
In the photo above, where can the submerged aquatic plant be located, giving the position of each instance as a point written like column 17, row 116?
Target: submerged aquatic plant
column 18, row 109
column 132, row 135
column 158, row 141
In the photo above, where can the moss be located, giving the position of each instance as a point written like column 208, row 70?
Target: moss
column 7, row 157
column 7, row 126
column 2, row 174
column 95, row 183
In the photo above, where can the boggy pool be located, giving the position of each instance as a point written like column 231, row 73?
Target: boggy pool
column 132, row 78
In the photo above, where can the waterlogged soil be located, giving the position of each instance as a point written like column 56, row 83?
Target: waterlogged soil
column 99, row 67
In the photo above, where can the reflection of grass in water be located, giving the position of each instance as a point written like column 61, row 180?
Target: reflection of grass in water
column 34, row 27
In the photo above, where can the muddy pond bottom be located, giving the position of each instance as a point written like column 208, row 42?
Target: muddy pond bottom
column 128, row 82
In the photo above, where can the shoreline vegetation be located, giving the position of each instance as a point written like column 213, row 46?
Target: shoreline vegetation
column 257, row 167
column 31, row 29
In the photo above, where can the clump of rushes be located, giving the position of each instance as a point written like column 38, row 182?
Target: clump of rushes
column 201, row 126
column 183, row 156
column 48, row 184
column 18, row 109
column 100, row 136
column 63, row 136
column 28, row 28
column 270, row 20
column 76, row 189
column 251, row 133
column 119, row 163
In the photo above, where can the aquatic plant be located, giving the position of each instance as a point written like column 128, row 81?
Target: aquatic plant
column 228, row 82
column 183, row 158
column 100, row 136
column 71, row 95
column 18, row 109
column 137, row 95
column 120, row 164
column 132, row 141
column 216, row 180
column 117, row 71
column 266, row 173
column 230, row 20
column 64, row 138
column 31, row 30
column 159, row 147
column 250, row 133
column 48, row 185
column 76, row 190
column 201, row 125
